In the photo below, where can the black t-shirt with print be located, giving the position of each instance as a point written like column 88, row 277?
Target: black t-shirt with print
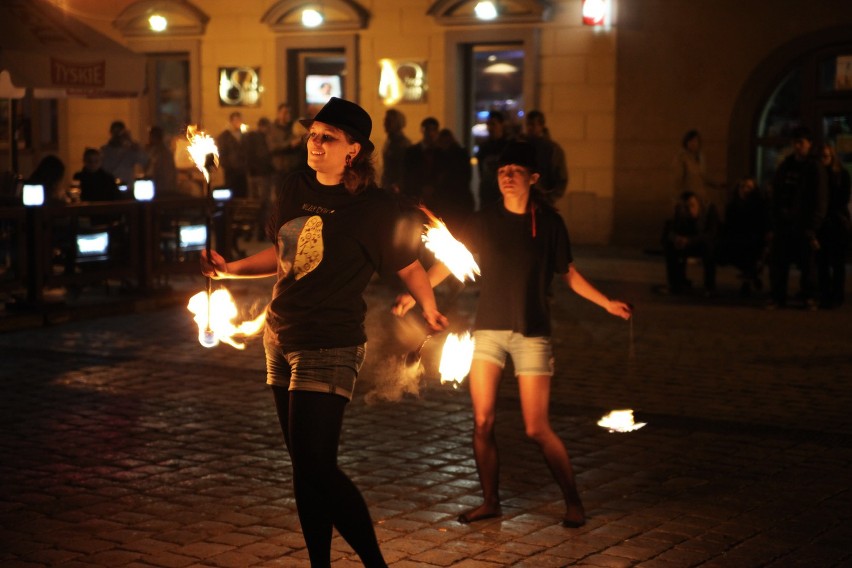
column 329, row 243
column 517, row 268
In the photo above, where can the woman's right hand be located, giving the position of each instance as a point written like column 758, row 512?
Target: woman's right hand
column 215, row 266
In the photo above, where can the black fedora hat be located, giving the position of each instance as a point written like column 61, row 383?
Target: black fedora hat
column 348, row 117
column 519, row 153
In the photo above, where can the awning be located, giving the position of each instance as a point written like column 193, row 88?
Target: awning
column 47, row 50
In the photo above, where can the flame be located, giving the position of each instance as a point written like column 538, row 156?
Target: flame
column 223, row 311
column 620, row 421
column 456, row 357
column 447, row 249
column 201, row 145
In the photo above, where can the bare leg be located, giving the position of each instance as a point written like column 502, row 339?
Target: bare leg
column 535, row 400
column 484, row 380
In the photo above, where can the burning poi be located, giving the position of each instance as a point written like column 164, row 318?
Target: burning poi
column 447, row 249
column 456, row 357
column 214, row 311
column 620, row 421
column 457, row 352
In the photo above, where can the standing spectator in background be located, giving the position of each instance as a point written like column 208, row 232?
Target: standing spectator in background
column 742, row 243
column 691, row 232
column 550, row 157
column 259, row 161
column 123, row 157
column 393, row 152
column 452, row 200
column 834, row 232
column 799, row 194
column 421, row 166
column 688, row 172
column 232, row 156
column 286, row 146
column 96, row 184
column 161, row 164
column 487, row 156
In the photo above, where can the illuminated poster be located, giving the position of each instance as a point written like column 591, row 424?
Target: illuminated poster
column 239, row 86
column 402, row 81
column 843, row 75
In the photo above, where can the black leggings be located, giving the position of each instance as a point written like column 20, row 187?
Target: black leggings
column 325, row 496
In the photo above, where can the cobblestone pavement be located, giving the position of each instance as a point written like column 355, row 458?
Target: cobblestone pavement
column 126, row 444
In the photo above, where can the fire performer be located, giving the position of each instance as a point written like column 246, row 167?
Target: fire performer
column 521, row 242
column 332, row 229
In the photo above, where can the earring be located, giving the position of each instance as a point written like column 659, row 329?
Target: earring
column 348, row 160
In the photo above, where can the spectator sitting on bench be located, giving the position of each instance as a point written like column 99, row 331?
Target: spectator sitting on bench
column 743, row 242
column 690, row 233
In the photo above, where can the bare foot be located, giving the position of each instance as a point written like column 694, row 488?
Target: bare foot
column 575, row 514
column 480, row 514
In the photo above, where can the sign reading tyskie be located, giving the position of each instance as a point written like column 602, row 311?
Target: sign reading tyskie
column 70, row 74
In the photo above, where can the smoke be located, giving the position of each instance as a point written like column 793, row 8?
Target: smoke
column 385, row 375
column 392, row 379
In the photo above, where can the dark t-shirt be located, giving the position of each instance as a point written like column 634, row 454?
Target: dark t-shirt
column 329, row 243
column 517, row 268
column 97, row 185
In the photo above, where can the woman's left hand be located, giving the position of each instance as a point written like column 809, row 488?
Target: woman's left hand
column 620, row 309
column 436, row 320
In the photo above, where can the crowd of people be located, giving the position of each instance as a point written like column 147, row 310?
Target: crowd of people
column 801, row 220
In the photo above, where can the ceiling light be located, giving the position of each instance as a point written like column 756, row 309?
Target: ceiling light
column 500, row 69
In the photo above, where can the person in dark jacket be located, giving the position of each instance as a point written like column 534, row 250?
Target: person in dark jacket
column 96, row 184
column 743, row 236
column 692, row 231
column 799, row 195
column 834, row 233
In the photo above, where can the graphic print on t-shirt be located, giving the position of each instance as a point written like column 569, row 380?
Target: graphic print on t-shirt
column 300, row 246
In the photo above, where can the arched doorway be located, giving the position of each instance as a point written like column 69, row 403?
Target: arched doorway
column 806, row 82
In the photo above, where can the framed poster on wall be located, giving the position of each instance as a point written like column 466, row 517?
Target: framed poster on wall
column 239, row 86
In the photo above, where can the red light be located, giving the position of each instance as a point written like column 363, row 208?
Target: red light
column 595, row 12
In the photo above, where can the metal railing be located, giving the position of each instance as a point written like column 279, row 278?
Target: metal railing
column 140, row 244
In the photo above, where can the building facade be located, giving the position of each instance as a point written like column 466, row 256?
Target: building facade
column 617, row 98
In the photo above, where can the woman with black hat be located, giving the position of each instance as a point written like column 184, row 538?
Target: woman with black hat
column 332, row 229
column 521, row 242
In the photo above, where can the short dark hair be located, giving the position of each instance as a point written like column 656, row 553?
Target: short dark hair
column 91, row 152
column 690, row 134
column 429, row 121
column 496, row 115
column 535, row 115
column 802, row 133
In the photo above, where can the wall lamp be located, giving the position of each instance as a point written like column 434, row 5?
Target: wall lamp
column 485, row 10
column 312, row 18
column 596, row 12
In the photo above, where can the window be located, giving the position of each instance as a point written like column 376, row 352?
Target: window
column 169, row 92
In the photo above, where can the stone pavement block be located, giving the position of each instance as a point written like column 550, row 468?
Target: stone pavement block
column 166, row 559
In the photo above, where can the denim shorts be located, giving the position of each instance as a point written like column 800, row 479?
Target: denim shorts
column 331, row 370
column 530, row 355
